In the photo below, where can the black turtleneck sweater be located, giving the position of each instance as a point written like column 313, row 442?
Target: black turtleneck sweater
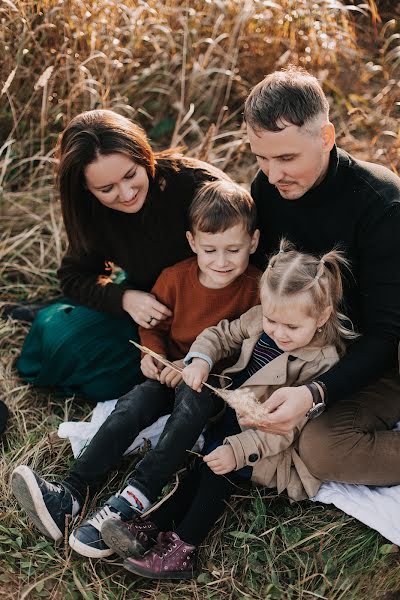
column 142, row 244
column 357, row 208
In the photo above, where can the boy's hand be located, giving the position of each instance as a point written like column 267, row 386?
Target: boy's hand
column 195, row 374
column 221, row 460
column 169, row 376
column 151, row 367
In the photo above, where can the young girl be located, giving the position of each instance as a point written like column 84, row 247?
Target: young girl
column 295, row 335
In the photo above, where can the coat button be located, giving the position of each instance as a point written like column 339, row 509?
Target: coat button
column 253, row 457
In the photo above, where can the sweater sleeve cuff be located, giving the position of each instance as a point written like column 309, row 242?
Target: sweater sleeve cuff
column 191, row 355
column 113, row 300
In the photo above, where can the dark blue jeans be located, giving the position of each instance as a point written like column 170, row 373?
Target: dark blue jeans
column 134, row 411
column 190, row 414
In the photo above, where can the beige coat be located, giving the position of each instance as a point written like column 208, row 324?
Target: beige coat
column 274, row 458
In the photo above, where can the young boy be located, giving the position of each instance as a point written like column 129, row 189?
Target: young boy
column 218, row 283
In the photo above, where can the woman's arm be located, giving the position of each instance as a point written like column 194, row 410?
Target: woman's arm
column 87, row 280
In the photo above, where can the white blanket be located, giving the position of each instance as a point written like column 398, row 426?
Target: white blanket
column 80, row 433
column 377, row 507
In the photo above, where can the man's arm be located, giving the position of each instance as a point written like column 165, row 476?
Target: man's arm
column 375, row 352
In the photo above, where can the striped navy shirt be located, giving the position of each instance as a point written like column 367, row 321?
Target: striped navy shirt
column 264, row 351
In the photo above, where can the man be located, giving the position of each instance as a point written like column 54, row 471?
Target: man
column 318, row 196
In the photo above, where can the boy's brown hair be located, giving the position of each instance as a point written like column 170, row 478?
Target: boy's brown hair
column 220, row 205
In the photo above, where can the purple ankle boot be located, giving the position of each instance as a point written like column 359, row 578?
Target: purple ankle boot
column 130, row 538
column 170, row 558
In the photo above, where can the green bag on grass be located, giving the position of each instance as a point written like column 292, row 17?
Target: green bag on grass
column 81, row 351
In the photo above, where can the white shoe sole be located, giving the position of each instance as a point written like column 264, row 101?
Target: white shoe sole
column 88, row 551
column 26, row 490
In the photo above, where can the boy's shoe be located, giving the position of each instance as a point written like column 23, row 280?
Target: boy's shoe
column 3, row 416
column 47, row 504
column 170, row 558
column 87, row 539
column 129, row 539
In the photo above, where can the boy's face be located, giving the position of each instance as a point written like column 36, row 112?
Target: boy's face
column 222, row 256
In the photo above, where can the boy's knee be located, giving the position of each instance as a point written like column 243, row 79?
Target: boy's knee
column 203, row 403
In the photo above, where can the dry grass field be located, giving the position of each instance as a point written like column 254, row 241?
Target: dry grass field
column 181, row 69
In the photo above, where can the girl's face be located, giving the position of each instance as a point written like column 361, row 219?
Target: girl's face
column 289, row 325
column 117, row 182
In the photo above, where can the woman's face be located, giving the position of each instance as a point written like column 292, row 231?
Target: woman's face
column 117, row 182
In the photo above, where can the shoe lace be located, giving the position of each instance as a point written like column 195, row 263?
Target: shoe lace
column 164, row 545
column 102, row 515
column 54, row 487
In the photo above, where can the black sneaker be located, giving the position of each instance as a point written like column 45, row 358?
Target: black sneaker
column 87, row 539
column 47, row 504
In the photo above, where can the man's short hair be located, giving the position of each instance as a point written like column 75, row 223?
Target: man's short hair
column 288, row 97
column 220, row 205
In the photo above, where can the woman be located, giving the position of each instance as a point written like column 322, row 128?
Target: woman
column 122, row 205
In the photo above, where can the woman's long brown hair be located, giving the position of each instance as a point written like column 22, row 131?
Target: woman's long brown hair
column 88, row 135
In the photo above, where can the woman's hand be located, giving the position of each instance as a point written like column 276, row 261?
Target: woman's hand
column 169, row 376
column 284, row 409
column 195, row 374
column 221, row 460
column 150, row 367
column 144, row 308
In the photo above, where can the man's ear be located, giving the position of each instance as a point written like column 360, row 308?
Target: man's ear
column 254, row 241
column 191, row 241
column 328, row 136
column 326, row 313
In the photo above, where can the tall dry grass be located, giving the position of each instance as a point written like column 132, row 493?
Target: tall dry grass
column 182, row 70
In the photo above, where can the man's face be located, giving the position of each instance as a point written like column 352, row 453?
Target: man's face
column 293, row 159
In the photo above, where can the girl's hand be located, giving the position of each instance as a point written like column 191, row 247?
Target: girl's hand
column 144, row 308
column 169, row 376
column 221, row 460
column 151, row 367
column 195, row 374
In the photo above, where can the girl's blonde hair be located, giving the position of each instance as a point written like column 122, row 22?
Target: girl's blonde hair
column 290, row 272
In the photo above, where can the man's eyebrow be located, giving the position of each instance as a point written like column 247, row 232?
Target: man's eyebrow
column 108, row 184
column 278, row 155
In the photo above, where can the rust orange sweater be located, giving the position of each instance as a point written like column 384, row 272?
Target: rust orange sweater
column 195, row 307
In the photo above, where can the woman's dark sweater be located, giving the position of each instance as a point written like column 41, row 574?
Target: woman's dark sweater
column 142, row 244
column 357, row 209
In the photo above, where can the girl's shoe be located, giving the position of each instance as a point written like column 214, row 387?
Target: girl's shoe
column 47, row 504
column 129, row 539
column 170, row 558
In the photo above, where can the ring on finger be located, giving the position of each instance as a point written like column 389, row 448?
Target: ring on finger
column 150, row 320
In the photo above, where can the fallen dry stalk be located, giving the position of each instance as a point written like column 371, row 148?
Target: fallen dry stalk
column 242, row 400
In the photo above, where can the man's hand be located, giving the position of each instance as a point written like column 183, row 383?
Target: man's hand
column 169, row 376
column 151, row 367
column 195, row 374
column 284, row 409
column 221, row 460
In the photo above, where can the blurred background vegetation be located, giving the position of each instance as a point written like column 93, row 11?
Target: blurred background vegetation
column 181, row 69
